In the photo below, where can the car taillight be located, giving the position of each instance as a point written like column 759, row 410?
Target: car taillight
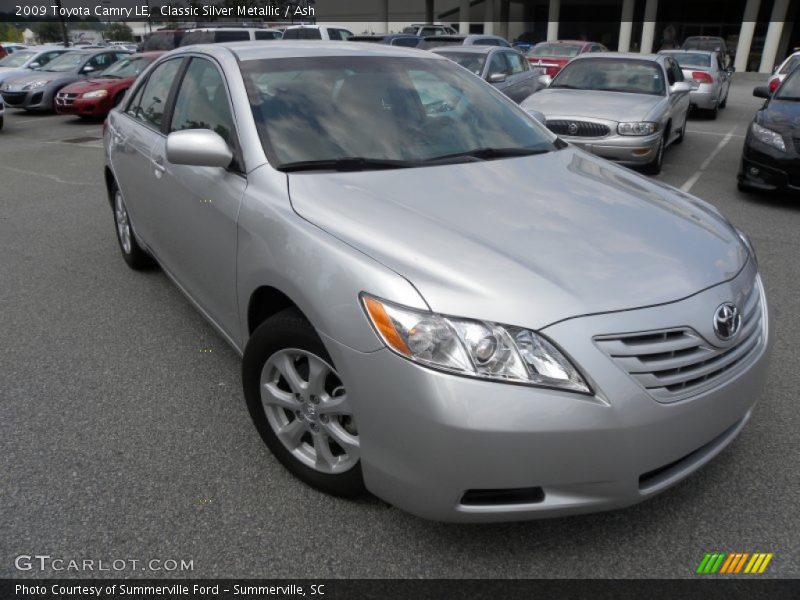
column 773, row 84
column 702, row 77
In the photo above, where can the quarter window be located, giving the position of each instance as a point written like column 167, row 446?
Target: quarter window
column 517, row 62
column 202, row 102
column 150, row 103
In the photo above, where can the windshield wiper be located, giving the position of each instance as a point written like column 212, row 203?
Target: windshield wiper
column 566, row 86
column 353, row 163
column 487, row 154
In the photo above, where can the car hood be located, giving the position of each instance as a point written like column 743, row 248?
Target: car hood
column 527, row 241
column 88, row 85
column 782, row 116
column 613, row 106
column 44, row 76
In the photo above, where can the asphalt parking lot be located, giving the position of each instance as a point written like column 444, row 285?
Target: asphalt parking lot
column 124, row 432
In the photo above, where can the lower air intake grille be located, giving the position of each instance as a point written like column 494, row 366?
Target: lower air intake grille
column 532, row 495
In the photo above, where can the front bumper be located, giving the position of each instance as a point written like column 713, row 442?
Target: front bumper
column 38, row 99
column 427, row 437
column 73, row 104
column 768, row 169
column 624, row 149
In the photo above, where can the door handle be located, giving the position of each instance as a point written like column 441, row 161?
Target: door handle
column 158, row 166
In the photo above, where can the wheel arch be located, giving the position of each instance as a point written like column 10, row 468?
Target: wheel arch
column 264, row 302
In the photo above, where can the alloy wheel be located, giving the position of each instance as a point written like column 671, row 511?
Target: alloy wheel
column 307, row 408
column 123, row 223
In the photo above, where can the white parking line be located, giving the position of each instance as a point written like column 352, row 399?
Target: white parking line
column 697, row 132
column 693, row 179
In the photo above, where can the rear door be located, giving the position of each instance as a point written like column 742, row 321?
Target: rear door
column 197, row 207
column 522, row 82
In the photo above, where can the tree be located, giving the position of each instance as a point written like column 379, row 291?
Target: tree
column 48, row 32
column 119, row 32
column 9, row 33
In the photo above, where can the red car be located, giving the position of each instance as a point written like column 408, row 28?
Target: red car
column 552, row 56
column 94, row 98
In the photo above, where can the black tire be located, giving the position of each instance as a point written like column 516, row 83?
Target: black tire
column 713, row 113
column 654, row 166
column 135, row 256
column 290, row 329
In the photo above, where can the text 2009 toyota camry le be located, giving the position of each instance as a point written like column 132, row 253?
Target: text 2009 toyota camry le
column 436, row 299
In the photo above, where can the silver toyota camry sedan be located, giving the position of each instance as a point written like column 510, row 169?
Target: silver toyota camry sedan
column 436, row 299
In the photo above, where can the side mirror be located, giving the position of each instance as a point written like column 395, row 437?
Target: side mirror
column 545, row 80
column 680, row 87
column 34, row 65
column 198, row 148
column 497, row 78
column 87, row 69
column 538, row 116
column 761, row 91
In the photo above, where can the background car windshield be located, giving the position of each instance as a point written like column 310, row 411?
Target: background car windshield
column 128, row 67
column 562, row 50
column 407, row 109
column 66, row 62
column 787, row 68
column 709, row 45
column 17, row 59
column 469, row 60
column 692, row 60
column 790, row 88
column 612, row 75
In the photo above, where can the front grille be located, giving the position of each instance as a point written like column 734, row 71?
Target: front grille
column 532, row 495
column 65, row 99
column 14, row 98
column 579, row 128
column 674, row 363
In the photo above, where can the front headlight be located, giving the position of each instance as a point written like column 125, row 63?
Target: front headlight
column 767, row 136
column 95, row 94
column 34, row 85
column 473, row 348
column 638, row 128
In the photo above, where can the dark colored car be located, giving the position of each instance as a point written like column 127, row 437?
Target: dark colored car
column 771, row 153
column 553, row 55
column 505, row 68
column 393, row 39
column 37, row 91
column 95, row 97
column 525, row 41
column 163, row 40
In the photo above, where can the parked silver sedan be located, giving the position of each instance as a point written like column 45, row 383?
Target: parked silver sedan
column 625, row 107
column 712, row 80
column 436, row 299
column 506, row 69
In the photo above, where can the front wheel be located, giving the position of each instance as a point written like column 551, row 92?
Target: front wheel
column 300, row 405
column 136, row 257
column 654, row 166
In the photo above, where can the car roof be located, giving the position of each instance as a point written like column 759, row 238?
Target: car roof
column 255, row 50
column 468, row 49
column 368, row 37
column 621, row 55
column 687, row 51
column 571, row 42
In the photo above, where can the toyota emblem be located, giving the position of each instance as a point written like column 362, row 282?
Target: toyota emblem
column 727, row 321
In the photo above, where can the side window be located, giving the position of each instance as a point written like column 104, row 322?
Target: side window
column 406, row 42
column 517, row 62
column 122, row 55
column 202, row 102
column 498, row 64
column 101, row 61
column 676, row 69
column 149, row 105
column 266, row 35
column 46, row 58
column 670, row 73
column 596, row 48
column 231, row 36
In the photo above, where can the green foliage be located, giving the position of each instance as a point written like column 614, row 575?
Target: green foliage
column 9, row 33
column 119, row 32
column 48, row 31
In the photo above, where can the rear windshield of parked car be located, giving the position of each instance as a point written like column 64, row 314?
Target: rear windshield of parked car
column 612, row 75
column 708, row 45
column 692, row 60
column 556, row 50
column 303, row 33
column 407, row 109
column 469, row 60
column 787, row 68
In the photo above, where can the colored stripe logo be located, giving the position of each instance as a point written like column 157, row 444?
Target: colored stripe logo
column 734, row 563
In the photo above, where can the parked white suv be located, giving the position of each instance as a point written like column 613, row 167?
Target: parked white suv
column 216, row 35
column 316, row 32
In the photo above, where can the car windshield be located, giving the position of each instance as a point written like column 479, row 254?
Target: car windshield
column 17, row 59
column 787, row 68
column 69, row 61
column 128, row 67
column 790, row 88
column 708, row 45
column 691, row 59
column 557, row 50
column 631, row 76
column 383, row 110
column 469, row 60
